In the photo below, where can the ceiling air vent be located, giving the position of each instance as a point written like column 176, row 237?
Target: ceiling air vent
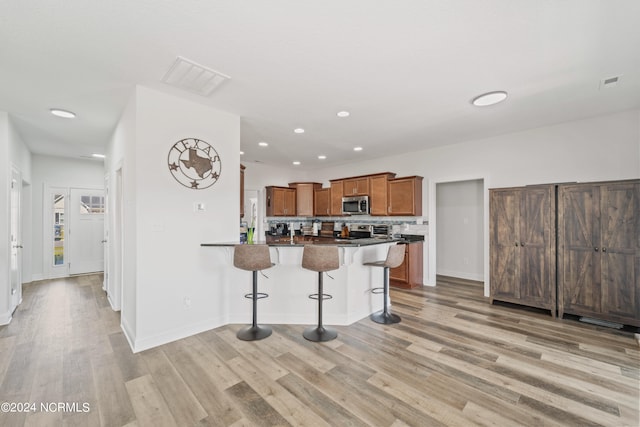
column 193, row 77
column 609, row 82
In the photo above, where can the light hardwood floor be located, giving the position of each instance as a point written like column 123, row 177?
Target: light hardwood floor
column 453, row 360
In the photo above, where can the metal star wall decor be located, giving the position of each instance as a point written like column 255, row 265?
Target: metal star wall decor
column 194, row 163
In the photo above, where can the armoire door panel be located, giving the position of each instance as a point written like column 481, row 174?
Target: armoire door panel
column 505, row 243
column 534, row 286
column 505, row 276
column 581, row 290
column 620, row 241
column 536, row 244
column 619, row 297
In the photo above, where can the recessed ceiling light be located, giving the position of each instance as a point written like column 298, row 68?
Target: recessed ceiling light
column 263, row 144
column 242, row 153
column 62, row 113
column 298, row 130
column 296, row 163
column 357, row 148
column 489, row 98
column 322, row 157
column 99, row 156
column 343, row 114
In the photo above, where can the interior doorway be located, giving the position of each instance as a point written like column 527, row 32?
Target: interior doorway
column 434, row 236
column 459, row 229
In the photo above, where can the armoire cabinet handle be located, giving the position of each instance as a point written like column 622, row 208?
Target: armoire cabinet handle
column 516, row 244
column 596, row 249
column 604, row 249
column 522, row 244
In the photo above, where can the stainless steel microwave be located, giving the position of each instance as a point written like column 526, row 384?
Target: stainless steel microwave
column 355, row 205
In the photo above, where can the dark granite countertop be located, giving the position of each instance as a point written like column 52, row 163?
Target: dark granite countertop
column 299, row 241
column 285, row 241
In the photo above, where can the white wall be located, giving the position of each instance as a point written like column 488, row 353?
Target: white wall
column 47, row 172
column 176, row 292
column 460, row 229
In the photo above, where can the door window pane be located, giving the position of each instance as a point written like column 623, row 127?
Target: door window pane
column 58, row 229
column 91, row 205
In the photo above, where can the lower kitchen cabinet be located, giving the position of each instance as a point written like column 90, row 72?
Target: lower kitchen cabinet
column 409, row 274
column 599, row 251
column 522, row 239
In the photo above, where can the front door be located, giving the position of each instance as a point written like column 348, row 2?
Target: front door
column 86, row 231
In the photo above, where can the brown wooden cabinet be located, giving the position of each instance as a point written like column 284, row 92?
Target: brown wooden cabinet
column 337, row 191
column 322, row 202
column 522, row 239
column 305, row 197
column 281, row 201
column 378, row 193
column 599, row 250
column 358, row 186
column 405, row 196
column 409, row 274
column 242, row 168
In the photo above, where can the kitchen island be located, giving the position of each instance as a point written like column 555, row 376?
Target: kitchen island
column 289, row 285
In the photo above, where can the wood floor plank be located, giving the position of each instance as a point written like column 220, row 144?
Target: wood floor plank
column 184, row 406
column 294, row 411
column 114, row 403
column 205, row 387
column 148, row 403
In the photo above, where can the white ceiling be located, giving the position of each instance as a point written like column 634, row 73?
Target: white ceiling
column 405, row 69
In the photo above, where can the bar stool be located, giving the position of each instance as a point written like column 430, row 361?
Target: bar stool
column 320, row 259
column 395, row 256
column 253, row 258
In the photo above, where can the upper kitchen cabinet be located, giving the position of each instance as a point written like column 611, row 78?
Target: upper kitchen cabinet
column 242, row 168
column 378, row 193
column 337, row 191
column 405, row 196
column 305, row 197
column 599, row 250
column 281, row 201
column 322, row 202
column 358, row 186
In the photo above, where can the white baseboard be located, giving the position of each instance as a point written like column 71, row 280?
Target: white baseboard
column 479, row 277
column 5, row 318
column 128, row 333
column 144, row 343
column 36, row 277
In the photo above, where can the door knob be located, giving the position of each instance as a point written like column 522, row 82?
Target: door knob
column 104, row 241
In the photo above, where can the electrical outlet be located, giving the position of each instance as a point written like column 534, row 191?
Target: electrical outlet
column 187, row 302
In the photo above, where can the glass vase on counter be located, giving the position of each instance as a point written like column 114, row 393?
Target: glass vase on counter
column 250, row 232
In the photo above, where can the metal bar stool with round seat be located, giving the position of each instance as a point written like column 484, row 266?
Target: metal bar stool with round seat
column 253, row 258
column 395, row 256
column 320, row 258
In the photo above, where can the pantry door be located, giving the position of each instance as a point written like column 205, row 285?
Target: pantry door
column 86, row 230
